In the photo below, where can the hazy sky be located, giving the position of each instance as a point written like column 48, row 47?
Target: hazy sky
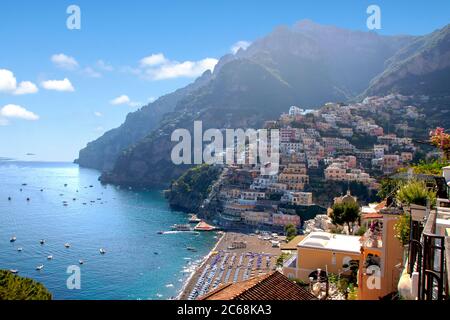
column 61, row 88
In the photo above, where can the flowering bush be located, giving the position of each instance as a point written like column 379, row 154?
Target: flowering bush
column 440, row 139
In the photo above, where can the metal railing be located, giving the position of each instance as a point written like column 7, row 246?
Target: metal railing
column 432, row 280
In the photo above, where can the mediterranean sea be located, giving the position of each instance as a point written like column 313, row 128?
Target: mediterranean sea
column 62, row 203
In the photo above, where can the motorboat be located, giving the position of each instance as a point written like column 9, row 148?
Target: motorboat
column 14, row 271
column 13, row 239
column 160, row 232
column 80, row 261
column 49, row 257
column 194, row 219
column 181, row 227
column 67, row 245
column 40, row 267
column 19, row 249
column 42, row 241
column 102, row 251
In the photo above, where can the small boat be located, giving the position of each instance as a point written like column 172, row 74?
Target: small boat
column 80, row 261
column 40, row 267
column 191, row 249
column 9, row 198
column 155, row 252
column 50, row 257
column 19, row 249
column 102, row 251
column 181, row 227
column 24, row 184
column 67, row 245
column 194, row 219
column 28, row 199
column 65, row 184
column 42, row 241
column 13, row 239
column 14, row 271
column 160, row 232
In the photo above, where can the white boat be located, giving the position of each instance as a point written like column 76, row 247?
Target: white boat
column 181, row 227
column 194, row 219
column 80, row 261
column 40, row 267
column 42, row 241
column 49, row 257
column 19, row 249
column 13, row 238
column 67, row 245
column 14, row 271
column 102, row 251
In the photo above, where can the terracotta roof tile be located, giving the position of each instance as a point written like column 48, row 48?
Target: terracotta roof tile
column 271, row 286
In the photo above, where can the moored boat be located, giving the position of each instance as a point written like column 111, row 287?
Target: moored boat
column 181, row 227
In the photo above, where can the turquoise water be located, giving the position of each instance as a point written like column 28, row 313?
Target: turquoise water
column 124, row 222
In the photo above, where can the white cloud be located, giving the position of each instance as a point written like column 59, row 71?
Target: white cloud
column 153, row 60
column 8, row 82
column 15, row 111
column 99, row 129
column 123, row 99
column 240, row 45
column 152, row 99
column 158, row 67
column 98, row 114
column 64, row 62
column 26, row 87
column 91, row 72
column 135, row 103
column 58, row 85
column 186, row 69
column 102, row 65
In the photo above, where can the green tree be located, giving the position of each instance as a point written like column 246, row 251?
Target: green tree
column 13, row 287
column 281, row 259
column 388, row 186
column 345, row 213
column 402, row 229
column 291, row 231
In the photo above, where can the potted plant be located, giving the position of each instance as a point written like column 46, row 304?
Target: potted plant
column 414, row 196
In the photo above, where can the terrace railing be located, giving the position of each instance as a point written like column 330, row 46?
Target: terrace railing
column 432, row 280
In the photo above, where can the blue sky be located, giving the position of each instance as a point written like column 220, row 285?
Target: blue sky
column 104, row 60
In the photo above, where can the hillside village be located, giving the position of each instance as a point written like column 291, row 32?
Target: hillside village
column 323, row 154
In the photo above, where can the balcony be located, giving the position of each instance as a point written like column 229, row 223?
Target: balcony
column 429, row 254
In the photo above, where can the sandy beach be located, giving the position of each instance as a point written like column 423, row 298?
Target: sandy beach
column 227, row 265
